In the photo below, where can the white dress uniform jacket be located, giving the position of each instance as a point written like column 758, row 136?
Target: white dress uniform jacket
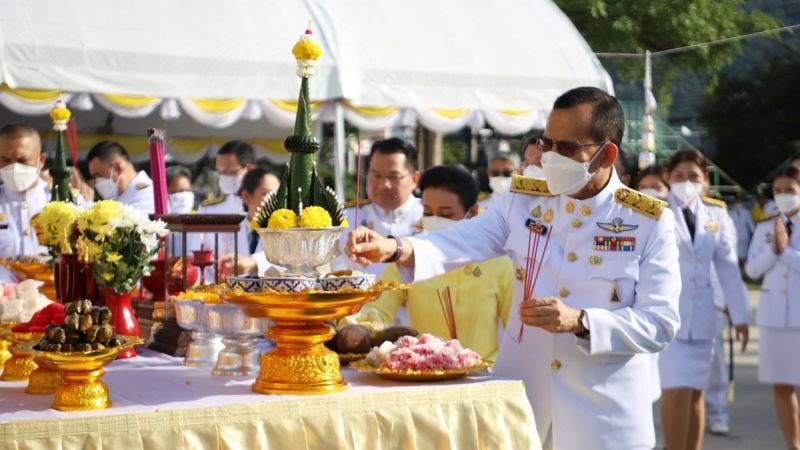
column 402, row 222
column 18, row 208
column 232, row 204
column 779, row 304
column 743, row 222
column 714, row 243
column 613, row 255
column 139, row 193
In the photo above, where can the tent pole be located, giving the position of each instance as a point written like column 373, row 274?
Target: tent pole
column 339, row 150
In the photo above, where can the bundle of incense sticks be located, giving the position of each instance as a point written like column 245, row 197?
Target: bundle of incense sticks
column 158, row 170
column 532, row 269
column 446, row 301
column 358, row 179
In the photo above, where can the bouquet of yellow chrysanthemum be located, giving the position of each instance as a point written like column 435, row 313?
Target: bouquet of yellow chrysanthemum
column 54, row 227
column 119, row 241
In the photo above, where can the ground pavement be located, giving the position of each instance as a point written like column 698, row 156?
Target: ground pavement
column 754, row 425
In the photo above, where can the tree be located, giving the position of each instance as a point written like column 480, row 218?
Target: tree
column 753, row 117
column 633, row 26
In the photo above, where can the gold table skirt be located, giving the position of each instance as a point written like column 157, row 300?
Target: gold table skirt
column 372, row 414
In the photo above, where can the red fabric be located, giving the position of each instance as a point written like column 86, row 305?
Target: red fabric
column 52, row 314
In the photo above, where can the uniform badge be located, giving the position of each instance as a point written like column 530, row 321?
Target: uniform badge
column 520, row 274
column 548, row 216
column 615, row 243
column 537, row 212
column 475, row 271
column 614, row 295
column 595, row 260
column 140, row 186
column 617, row 226
column 712, row 226
column 536, row 226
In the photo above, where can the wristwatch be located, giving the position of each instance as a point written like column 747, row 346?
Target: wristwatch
column 398, row 253
column 583, row 324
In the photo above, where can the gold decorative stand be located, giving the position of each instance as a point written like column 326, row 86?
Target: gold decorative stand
column 43, row 380
column 300, row 363
column 20, row 366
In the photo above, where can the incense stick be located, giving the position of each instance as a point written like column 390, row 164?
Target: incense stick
column 446, row 302
column 358, row 177
column 530, row 276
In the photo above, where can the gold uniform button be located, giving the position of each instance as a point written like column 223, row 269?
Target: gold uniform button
column 555, row 365
column 576, row 223
column 570, row 207
column 572, row 257
column 26, row 233
column 564, row 292
column 23, row 206
column 586, row 210
column 520, row 273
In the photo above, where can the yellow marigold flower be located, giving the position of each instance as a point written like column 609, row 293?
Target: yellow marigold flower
column 113, row 257
column 60, row 112
column 306, row 49
column 282, row 218
column 315, row 217
column 344, row 223
column 108, row 276
column 254, row 225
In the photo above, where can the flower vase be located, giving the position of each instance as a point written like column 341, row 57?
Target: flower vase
column 123, row 318
column 68, row 278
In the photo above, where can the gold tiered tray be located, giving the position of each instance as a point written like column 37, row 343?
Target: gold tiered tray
column 300, row 363
column 32, row 268
column 5, row 344
column 21, row 364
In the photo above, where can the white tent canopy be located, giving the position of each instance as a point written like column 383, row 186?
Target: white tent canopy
column 446, row 63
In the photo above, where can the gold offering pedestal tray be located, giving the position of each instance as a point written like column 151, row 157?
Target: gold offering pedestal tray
column 81, row 372
column 5, row 344
column 32, row 268
column 21, row 364
column 300, row 363
column 418, row 375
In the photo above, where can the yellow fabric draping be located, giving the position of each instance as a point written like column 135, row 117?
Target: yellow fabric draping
column 469, row 416
column 372, row 111
column 32, row 95
column 131, row 101
column 515, row 112
column 291, row 105
column 218, row 106
column 450, row 113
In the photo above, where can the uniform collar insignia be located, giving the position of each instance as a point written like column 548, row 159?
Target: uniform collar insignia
column 616, row 226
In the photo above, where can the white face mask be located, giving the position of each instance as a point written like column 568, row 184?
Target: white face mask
column 499, row 185
column 565, row 175
column 436, row 223
column 229, row 184
column 533, row 171
column 653, row 193
column 686, row 191
column 787, row 203
column 106, row 187
column 19, row 177
column 181, row 202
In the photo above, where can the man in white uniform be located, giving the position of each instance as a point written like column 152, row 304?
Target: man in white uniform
column 391, row 208
column 532, row 159
column 115, row 178
column 607, row 294
column 23, row 193
column 501, row 167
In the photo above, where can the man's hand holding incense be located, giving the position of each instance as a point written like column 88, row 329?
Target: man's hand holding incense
column 550, row 314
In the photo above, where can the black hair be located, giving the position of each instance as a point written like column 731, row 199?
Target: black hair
column 608, row 118
column 790, row 172
column 105, row 151
column 252, row 179
column 530, row 140
column 17, row 130
column 174, row 172
column 243, row 151
column 395, row 145
column 689, row 155
column 452, row 179
column 655, row 170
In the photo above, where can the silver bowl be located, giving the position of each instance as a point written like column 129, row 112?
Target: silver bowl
column 202, row 351
column 240, row 333
column 300, row 250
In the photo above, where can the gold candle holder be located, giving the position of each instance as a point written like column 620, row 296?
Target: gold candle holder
column 81, row 372
column 21, row 364
column 300, row 362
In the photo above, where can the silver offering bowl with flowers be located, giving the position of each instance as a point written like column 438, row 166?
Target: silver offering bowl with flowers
column 205, row 346
column 300, row 250
column 239, row 335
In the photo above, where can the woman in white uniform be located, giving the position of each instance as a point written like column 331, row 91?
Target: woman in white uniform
column 775, row 255
column 702, row 226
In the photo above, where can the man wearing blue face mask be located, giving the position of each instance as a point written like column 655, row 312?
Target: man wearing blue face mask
column 583, row 327
column 23, row 193
column 481, row 292
column 115, row 177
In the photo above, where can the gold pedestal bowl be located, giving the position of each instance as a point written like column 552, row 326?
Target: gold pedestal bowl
column 21, row 364
column 5, row 344
column 36, row 271
column 300, row 363
column 81, row 372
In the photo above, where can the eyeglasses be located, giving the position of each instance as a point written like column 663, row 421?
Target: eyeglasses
column 564, row 148
column 501, row 173
column 393, row 179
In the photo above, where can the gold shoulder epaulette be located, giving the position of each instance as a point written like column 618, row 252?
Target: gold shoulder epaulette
column 213, row 201
column 714, row 202
column 641, row 203
column 529, row 185
column 362, row 202
column 769, row 217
